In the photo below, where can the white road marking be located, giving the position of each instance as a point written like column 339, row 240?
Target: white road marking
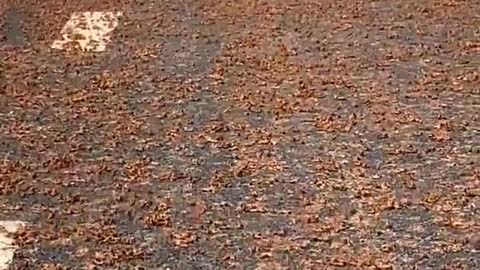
column 91, row 30
column 7, row 246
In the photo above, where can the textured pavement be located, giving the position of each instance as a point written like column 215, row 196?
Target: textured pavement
column 244, row 135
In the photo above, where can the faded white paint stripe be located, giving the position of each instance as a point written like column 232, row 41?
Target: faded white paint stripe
column 90, row 30
column 7, row 244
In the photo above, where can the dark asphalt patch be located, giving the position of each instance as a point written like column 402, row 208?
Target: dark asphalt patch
column 11, row 29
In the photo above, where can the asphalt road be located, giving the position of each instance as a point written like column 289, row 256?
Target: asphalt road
column 243, row 135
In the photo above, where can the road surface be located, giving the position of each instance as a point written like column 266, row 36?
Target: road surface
column 241, row 134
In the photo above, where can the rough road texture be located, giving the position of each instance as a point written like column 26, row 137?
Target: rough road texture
column 244, row 135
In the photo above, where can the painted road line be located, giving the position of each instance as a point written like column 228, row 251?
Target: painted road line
column 91, row 30
column 7, row 246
